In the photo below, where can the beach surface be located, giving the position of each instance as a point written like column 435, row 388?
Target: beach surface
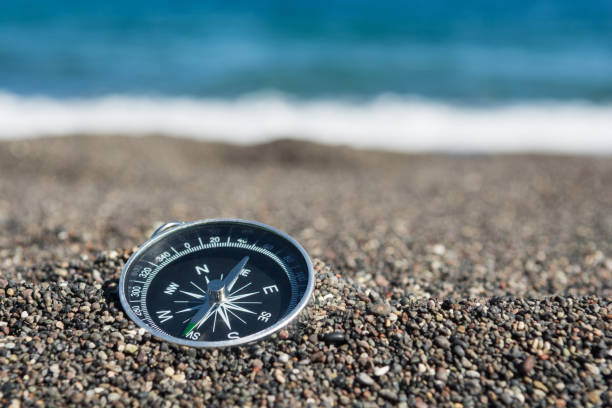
column 461, row 280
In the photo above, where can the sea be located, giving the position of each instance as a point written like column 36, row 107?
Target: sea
column 434, row 75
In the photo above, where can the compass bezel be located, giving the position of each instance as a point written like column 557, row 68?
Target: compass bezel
column 162, row 233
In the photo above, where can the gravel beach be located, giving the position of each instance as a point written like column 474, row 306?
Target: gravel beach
column 461, row 280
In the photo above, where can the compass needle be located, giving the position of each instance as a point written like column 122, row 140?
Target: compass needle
column 213, row 283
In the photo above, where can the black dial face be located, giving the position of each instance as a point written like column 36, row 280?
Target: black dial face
column 216, row 283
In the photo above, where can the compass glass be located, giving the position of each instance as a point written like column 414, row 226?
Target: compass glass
column 216, row 283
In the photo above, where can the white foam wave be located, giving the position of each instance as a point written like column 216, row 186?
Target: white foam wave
column 386, row 122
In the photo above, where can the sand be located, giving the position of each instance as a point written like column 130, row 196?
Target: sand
column 455, row 279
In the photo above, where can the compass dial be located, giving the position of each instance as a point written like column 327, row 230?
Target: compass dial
column 216, row 283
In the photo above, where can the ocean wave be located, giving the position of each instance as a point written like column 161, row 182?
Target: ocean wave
column 387, row 122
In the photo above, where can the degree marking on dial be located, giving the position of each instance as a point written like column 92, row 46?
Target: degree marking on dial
column 175, row 251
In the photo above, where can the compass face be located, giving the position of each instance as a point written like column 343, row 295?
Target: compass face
column 216, row 283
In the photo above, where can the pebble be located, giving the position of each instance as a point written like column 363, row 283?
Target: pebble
column 113, row 396
column 442, row 374
column 472, row 374
column 380, row 371
column 365, row 379
column 279, row 376
column 594, row 396
column 458, row 350
column 381, row 309
column 443, row 342
column 131, row 348
column 528, row 365
column 540, row 385
column 334, row 338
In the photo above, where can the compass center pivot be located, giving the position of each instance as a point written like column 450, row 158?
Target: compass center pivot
column 216, row 290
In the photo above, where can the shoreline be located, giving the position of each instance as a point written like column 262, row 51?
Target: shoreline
column 386, row 122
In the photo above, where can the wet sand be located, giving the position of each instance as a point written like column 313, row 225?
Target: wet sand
column 454, row 279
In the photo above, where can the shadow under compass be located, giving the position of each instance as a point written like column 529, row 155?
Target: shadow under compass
column 110, row 290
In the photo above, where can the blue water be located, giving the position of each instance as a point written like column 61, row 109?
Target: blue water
column 469, row 51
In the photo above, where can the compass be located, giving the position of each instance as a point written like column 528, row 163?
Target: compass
column 215, row 283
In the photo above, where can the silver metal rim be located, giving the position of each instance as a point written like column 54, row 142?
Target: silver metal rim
column 225, row 343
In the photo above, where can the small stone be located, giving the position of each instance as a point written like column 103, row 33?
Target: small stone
column 169, row 371
column 540, row 385
column 365, row 379
column 528, row 365
column 131, row 348
column 179, row 377
column 279, row 376
column 458, row 350
column 319, row 356
column 78, row 397
column 472, row 374
column 24, row 314
column 334, row 338
column 539, row 394
column 381, row 309
column 379, row 371
column 283, row 358
column 419, row 403
column 439, row 249
column 381, row 280
column 592, row 368
column 442, row 374
column 388, row 394
column 113, row 396
column 283, row 334
column 442, row 342
column 594, row 396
